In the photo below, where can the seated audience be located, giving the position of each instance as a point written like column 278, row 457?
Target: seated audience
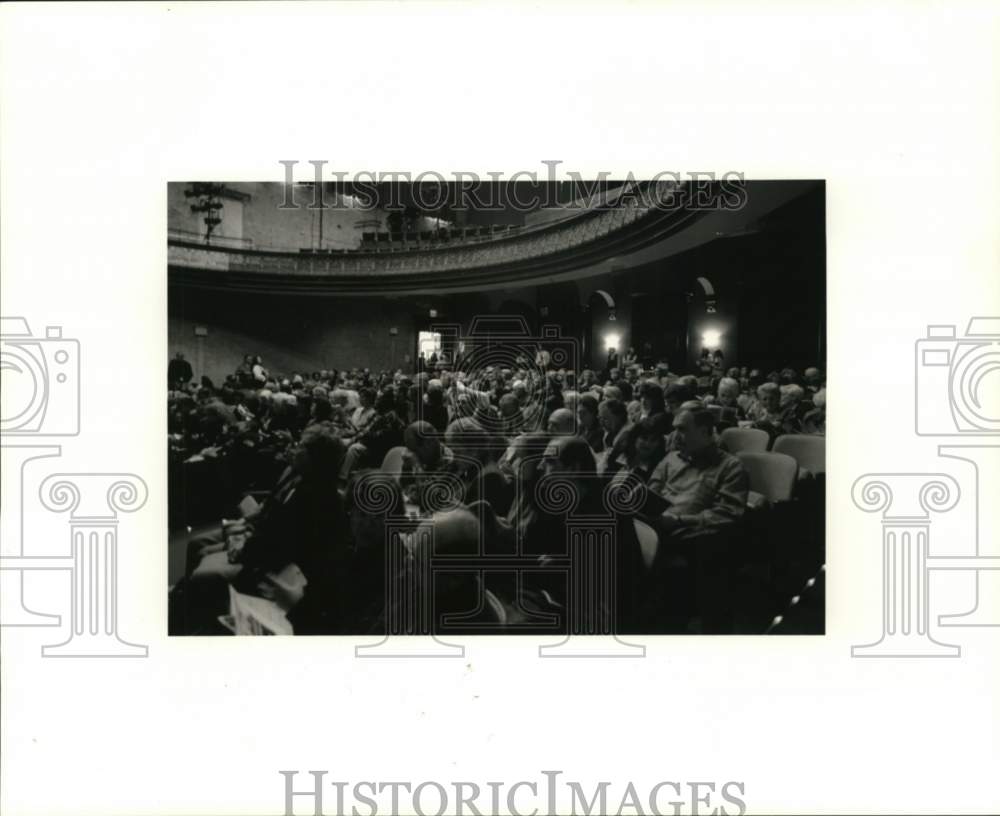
column 588, row 423
column 323, row 558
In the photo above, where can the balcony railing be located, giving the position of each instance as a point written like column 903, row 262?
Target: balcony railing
column 579, row 237
column 229, row 242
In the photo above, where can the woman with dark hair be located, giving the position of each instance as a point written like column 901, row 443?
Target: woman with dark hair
column 647, row 446
column 651, row 399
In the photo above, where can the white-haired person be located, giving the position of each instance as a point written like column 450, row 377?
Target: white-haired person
column 814, row 421
column 769, row 414
column 727, row 397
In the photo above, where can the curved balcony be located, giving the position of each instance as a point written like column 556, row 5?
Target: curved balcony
column 620, row 225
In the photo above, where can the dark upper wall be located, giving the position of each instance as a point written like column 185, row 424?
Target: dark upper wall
column 306, row 334
column 771, row 305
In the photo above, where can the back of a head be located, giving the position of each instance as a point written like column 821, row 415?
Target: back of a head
column 385, row 401
column 508, row 404
column 451, row 532
column 322, row 410
column 587, row 401
column 562, row 421
column 421, row 428
column 575, row 454
column 616, row 408
column 701, row 416
column 678, row 393
column 325, row 449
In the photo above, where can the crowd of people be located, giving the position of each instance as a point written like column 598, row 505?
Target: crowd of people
column 316, row 443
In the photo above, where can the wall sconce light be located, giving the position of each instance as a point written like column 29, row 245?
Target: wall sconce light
column 432, row 313
column 611, row 341
column 710, row 338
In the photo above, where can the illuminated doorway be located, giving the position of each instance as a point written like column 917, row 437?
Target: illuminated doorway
column 429, row 343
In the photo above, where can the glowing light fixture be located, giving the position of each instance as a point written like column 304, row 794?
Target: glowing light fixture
column 710, row 338
column 611, row 341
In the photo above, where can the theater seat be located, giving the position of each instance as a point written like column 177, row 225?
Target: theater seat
column 392, row 464
column 736, row 440
column 772, row 475
column 808, row 451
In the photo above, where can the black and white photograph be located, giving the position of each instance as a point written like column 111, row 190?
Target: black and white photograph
column 595, row 407
column 588, row 407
